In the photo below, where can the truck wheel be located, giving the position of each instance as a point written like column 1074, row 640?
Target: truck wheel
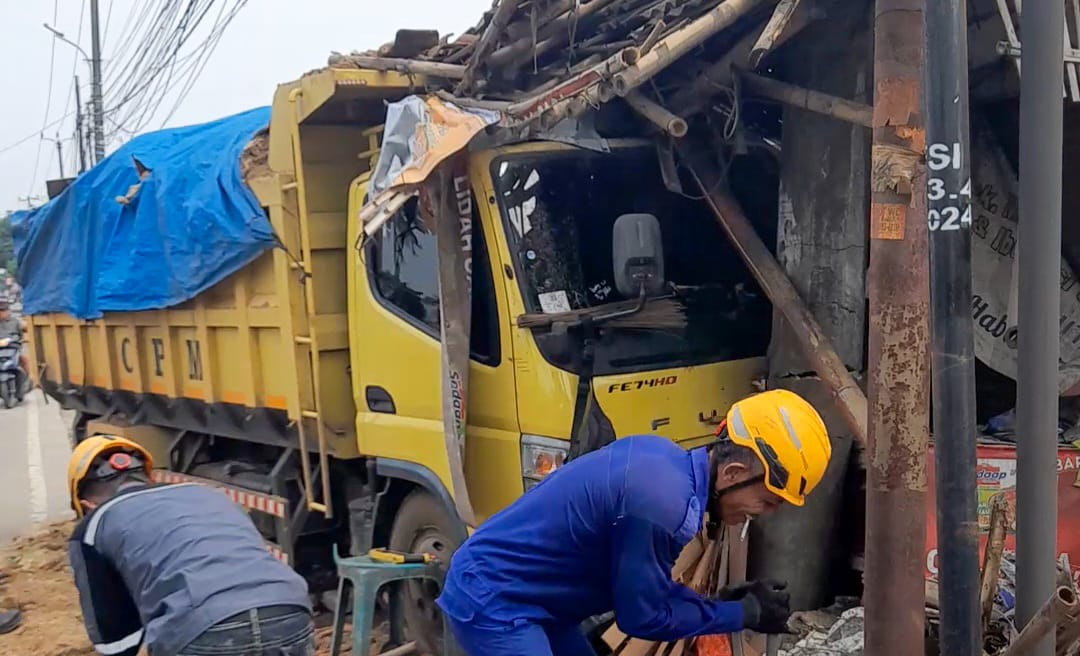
column 422, row 525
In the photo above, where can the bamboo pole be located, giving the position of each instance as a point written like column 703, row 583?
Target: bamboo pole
column 785, row 298
column 781, row 18
column 553, row 34
column 654, row 36
column 503, row 13
column 680, row 42
column 1054, row 612
column 413, row 66
column 991, row 568
column 692, row 97
column 657, row 114
column 581, row 90
column 808, row 99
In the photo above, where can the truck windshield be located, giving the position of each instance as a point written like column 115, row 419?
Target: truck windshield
column 558, row 209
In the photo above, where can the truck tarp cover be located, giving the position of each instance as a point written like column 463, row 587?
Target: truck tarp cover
column 192, row 222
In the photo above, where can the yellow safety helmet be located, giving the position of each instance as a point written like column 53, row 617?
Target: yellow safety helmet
column 788, row 437
column 87, row 451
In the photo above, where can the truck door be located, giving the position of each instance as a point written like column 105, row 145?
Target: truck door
column 397, row 360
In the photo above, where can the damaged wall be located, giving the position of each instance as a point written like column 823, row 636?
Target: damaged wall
column 822, row 245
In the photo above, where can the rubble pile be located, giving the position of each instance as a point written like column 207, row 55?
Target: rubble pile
column 522, row 47
column 842, row 638
column 543, row 61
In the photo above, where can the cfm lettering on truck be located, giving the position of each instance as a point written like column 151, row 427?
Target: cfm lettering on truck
column 633, row 385
column 124, row 344
column 194, row 354
column 159, row 355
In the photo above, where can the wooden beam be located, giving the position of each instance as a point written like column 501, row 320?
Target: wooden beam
column 779, row 22
column 503, row 13
column 785, row 298
column 808, row 99
column 413, row 66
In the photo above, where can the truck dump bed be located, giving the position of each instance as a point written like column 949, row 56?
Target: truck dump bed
column 238, row 356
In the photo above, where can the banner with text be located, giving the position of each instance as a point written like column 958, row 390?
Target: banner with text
column 994, row 237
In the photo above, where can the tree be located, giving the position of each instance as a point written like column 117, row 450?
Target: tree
column 7, row 244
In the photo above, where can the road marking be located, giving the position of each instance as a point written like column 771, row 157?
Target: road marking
column 39, row 495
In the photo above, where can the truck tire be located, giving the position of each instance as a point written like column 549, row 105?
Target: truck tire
column 423, row 525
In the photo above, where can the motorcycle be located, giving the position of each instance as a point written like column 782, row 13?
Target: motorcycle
column 12, row 377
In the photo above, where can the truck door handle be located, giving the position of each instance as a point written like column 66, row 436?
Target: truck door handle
column 379, row 400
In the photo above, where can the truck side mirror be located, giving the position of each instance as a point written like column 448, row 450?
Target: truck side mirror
column 637, row 249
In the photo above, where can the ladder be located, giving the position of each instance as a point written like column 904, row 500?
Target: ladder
column 307, row 346
column 1070, row 86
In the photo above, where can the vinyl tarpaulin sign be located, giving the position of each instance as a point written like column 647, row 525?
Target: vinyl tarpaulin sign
column 159, row 221
column 995, row 231
column 446, row 199
column 996, row 474
column 420, row 133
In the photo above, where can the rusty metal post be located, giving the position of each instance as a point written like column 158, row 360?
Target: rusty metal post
column 898, row 349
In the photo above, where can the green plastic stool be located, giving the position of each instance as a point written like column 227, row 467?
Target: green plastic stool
column 366, row 576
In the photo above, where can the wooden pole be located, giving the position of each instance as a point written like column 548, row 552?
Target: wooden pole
column 657, row 114
column 781, row 18
column 551, row 35
column 785, row 298
column 680, row 42
column 995, row 546
column 808, row 99
column 503, row 13
column 692, row 97
column 413, row 66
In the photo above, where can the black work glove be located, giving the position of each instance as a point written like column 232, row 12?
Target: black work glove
column 766, row 607
column 734, row 592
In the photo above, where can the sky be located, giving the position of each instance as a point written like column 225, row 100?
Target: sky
column 268, row 42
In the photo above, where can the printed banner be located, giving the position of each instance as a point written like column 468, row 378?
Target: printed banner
column 994, row 237
column 996, row 475
column 447, row 204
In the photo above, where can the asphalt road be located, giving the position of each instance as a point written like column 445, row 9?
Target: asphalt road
column 34, row 451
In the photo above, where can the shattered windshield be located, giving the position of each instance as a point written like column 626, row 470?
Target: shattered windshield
column 558, row 210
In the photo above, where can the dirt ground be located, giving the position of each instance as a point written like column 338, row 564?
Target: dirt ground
column 35, row 578
column 38, row 582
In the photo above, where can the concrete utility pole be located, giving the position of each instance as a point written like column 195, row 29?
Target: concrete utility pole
column 949, row 220
column 79, row 127
column 899, row 371
column 1041, row 24
column 95, row 88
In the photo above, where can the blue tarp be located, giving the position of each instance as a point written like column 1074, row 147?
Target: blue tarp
column 192, row 223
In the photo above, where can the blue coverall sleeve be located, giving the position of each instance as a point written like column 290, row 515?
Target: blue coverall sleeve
column 648, row 604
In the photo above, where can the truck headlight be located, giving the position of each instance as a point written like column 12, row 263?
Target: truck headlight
column 540, row 456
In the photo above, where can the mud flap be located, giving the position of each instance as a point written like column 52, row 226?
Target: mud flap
column 446, row 200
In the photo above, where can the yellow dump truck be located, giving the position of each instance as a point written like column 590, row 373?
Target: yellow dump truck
column 307, row 384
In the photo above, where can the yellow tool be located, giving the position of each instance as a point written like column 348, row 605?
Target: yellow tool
column 398, row 558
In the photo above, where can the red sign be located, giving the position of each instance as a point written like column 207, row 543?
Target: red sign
column 996, row 474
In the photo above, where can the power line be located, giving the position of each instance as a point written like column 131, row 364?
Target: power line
column 48, row 97
column 205, row 52
column 36, row 133
column 108, row 19
column 75, row 58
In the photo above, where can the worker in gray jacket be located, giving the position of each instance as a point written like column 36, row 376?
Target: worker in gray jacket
column 179, row 568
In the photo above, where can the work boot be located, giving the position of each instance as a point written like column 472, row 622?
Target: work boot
column 9, row 620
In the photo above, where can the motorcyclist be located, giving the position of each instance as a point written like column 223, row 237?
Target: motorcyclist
column 12, row 327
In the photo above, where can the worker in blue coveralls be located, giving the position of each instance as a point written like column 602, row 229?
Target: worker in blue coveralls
column 602, row 533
